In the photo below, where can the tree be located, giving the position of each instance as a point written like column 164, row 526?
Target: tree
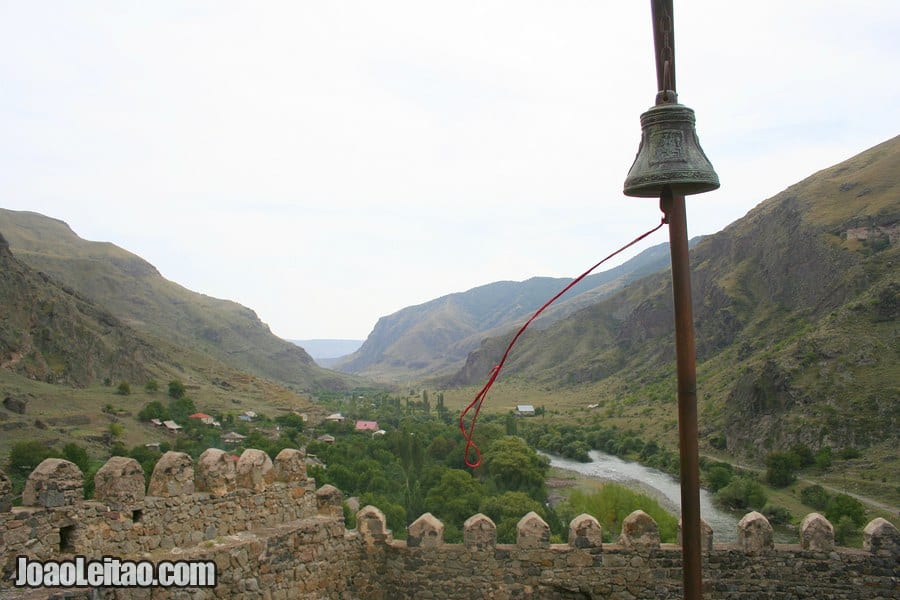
column 718, row 476
column 742, row 493
column 455, row 498
column 843, row 505
column 176, row 389
column 153, row 410
column 25, row 456
column 181, row 408
column 815, row 496
column 72, row 452
column 124, row 389
column 151, row 386
column 506, row 510
column 781, row 468
column 514, row 466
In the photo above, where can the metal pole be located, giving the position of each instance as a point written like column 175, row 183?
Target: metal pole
column 673, row 206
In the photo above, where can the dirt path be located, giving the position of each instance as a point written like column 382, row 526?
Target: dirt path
column 864, row 499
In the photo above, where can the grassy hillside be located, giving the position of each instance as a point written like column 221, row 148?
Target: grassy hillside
column 434, row 338
column 796, row 309
column 63, row 359
column 135, row 292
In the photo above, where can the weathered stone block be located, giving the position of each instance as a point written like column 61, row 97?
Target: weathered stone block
column 255, row 470
column 754, row 533
column 585, row 532
column 216, row 472
column 54, row 482
column 639, row 530
column 882, row 538
column 479, row 532
column 816, row 533
column 532, row 532
column 426, row 532
column 119, row 483
column 290, row 466
column 172, row 476
column 706, row 536
column 329, row 501
column 372, row 526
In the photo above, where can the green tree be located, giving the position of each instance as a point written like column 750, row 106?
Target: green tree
column 153, row 410
column 25, row 456
column 512, row 465
column 72, row 452
column 181, row 408
column 455, row 498
column 176, row 389
column 815, row 496
column 507, row 509
column 742, row 493
column 781, row 468
column 151, row 386
column 718, row 476
column 124, row 389
column 843, row 505
column 823, row 459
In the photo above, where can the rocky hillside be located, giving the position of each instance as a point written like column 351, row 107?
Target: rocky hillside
column 51, row 333
column 795, row 307
column 434, row 338
column 135, row 292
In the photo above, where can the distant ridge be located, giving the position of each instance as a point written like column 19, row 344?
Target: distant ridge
column 134, row 291
column 797, row 318
column 434, row 338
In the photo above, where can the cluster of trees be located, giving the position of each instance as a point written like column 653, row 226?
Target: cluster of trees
column 782, row 467
column 575, row 441
column 420, row 467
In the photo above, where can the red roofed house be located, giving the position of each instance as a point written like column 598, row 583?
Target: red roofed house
column 366, row 426
column 204, row 418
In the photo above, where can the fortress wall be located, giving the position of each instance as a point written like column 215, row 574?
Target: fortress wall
column 273, row 536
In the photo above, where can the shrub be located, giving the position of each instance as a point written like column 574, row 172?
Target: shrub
column 151, row 386
column 781, row 468
column 741, row 493
column 124, row 389
column 777, row 515
column 176, row 389
column 843, row 505
column 815, row 496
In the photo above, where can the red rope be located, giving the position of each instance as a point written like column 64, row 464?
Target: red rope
column 479, row 398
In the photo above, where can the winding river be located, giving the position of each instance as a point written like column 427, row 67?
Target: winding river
column 658, row 484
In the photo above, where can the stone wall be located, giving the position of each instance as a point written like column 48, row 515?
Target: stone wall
column 272, row 535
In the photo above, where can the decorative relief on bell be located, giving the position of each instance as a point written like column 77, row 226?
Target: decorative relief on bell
column 669, row 155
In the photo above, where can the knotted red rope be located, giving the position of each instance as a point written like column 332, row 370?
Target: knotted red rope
column 479, row 398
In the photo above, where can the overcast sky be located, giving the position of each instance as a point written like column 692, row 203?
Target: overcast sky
column 327, row 163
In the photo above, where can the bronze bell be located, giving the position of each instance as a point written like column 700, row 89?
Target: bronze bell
column 669, row 155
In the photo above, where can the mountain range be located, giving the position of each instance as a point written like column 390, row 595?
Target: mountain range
column 795, row 309
column 433, row 339
column 134, row 291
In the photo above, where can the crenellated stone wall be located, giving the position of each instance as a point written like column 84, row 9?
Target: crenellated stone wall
column 272, row 535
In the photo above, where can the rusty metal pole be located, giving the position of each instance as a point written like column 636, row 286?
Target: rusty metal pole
column 674, row 207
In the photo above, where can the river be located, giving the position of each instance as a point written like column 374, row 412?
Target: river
column 660, row 485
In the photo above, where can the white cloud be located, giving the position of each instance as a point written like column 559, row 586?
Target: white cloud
column 327, row 163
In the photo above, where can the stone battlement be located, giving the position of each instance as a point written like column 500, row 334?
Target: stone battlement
column 273, row 535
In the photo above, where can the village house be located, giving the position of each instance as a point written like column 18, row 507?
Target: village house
column 366, row 426
column 525, row 410
column 203, row 418
column 233, row 438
